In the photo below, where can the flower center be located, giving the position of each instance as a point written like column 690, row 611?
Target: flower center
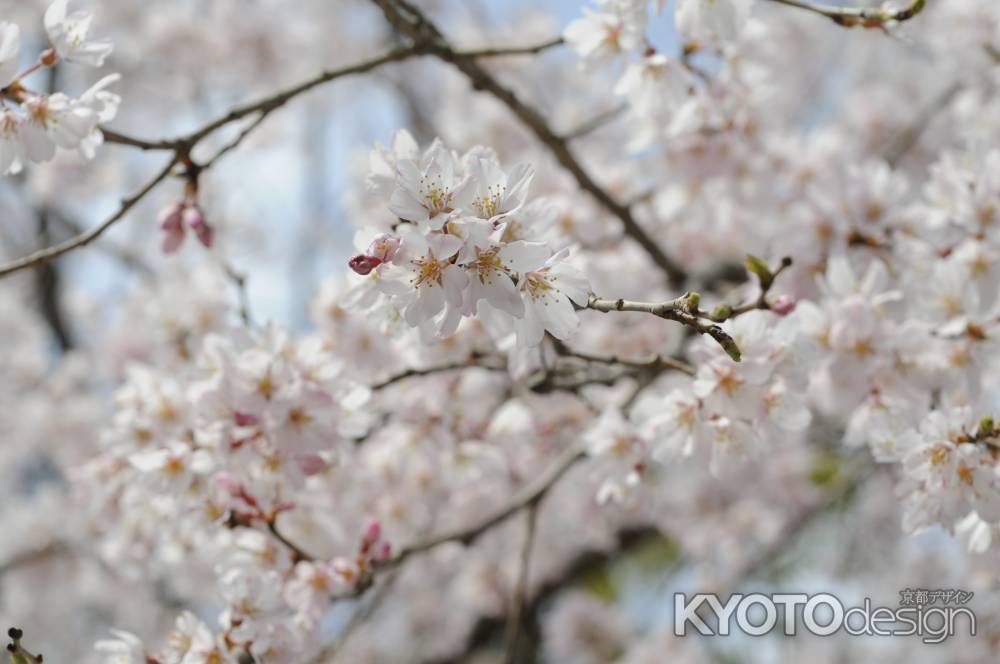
column 437, row 197
column 486, row 264
column 429, row 271
column 488, row 204
column 537, row 284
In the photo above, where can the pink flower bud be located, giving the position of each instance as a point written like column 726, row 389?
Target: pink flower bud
column 48, row 57
column 172, row 227
column 383, row 553
column 244, row 419
column 783, row 304
column 372, row 534
column 311, row 464
column 363, row 264
column 196, row 222
column 230, row 484
column 383, row 247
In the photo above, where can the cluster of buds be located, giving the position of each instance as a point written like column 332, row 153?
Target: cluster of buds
column 179, row 217
column 16, row 652
column 372, row 552
column 245, row 508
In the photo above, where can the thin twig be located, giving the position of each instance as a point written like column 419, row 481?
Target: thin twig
column 474, row 360
column 657, row 362
column 683, row 310
column 181, row 147
column 760, row 302
column 529, row 495
column 594, row 123
column 33, row 556
column 514, row 620
column 239, row 280
column 501, row 51
column 865, row 17
column 298, row 554
column 45, row 255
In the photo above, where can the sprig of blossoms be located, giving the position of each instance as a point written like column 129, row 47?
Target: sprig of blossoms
column 452, row 253
column 33, row 124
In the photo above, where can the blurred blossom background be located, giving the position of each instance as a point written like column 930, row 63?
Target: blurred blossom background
column 823, row 139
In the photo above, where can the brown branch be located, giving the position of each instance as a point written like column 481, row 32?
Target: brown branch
column 849, row 17
column 270, row 103
column 593, row 124
column 515, row 617
column 45, row 255
column 487, row 628
column 725, row 312
column 656, row 363
column 900, row 143
column 683, row 310
column 298, row 554
column 526, row 497
column 33, row 556
column 474, row 360
column 501, row 51
column 411, row 22
column 181, row 147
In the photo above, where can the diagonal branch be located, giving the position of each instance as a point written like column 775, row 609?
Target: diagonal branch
column 683, row 310
column 474, row 360
column 45, row 255
column 181, row 147
column 849, row 17
column 526, row 497
column 411, row 22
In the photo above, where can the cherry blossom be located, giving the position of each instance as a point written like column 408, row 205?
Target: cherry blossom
column 510, row 325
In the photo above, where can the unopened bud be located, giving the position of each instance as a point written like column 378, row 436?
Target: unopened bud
column 373, row 531
column 759, row 268
column 171, row 223
column 230, row 484
column 244, row 419
column 195, row 220
column 383, row 247
column 383, row 553
column 48, row 57
column 721, row 312
column 311, row 464
column 783, row 304
column 363, row 264
column 170, row 217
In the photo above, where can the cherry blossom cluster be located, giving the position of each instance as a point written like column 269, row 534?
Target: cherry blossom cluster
column 33, row 124
column 664, row 93
column 463, row 246
column 475, row 435
column 206, row 461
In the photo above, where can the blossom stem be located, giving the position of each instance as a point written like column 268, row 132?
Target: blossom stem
column 866, row 17
column 679, row 310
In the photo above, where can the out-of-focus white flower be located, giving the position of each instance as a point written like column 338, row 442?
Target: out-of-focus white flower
column 125, row 648
column 601, row 34
column 654, row 83
column 11, row 150
column 712, row 19
column 10, row 43
column 68, row 34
